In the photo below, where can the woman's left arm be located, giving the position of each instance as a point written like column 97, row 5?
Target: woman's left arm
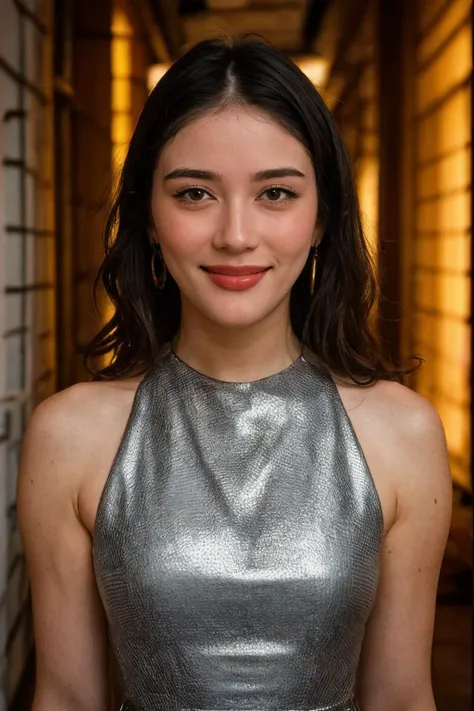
column 395, row 666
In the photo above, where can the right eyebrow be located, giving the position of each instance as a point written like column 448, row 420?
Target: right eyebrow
column 192, row 173
column 277, row 173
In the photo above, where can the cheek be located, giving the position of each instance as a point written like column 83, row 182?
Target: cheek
column 179, row 231
column 293, row 234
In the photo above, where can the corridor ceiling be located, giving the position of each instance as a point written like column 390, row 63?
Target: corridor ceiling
column 291, row 25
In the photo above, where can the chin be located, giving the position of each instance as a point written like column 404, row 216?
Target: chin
column 234, row 324
column 238, row 319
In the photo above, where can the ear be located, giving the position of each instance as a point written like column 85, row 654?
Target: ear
column 152, row 236
column 317, row 235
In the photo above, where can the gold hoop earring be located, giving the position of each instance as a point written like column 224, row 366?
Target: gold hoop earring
column 158, row 281
column 313, row 270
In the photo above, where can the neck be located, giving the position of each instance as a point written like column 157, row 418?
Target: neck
column 237, row 355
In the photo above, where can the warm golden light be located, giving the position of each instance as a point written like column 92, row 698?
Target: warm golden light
column 316, row 68
column 121, row 60
column 121, row 100
column 155, row 72
column 368, row 187
column 443, row 224
column 363, row 136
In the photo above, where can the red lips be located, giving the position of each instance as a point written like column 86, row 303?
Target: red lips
column 236, row 278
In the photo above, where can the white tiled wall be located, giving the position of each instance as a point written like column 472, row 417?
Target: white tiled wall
column 26, row 162
column 3, row 446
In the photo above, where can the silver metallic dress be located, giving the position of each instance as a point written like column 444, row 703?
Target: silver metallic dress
column 237, row 543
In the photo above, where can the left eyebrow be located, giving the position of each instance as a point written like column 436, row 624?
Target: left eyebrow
column 277, row 173
column 192, row 173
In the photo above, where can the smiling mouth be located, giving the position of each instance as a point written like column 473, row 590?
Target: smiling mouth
column 236, row 278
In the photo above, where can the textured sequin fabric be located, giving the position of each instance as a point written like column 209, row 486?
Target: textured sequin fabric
column 237, row 543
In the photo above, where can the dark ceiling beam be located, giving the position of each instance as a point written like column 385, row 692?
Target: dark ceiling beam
column 341, row 24
column 153, row 33
column 353, row 21
column 312, row 23
column 191, row 7
column 168, row 18
column 194, row 7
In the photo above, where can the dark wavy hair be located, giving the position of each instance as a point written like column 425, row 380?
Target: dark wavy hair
column 337, row 321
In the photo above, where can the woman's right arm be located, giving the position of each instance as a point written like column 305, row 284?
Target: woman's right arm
column 69, row 623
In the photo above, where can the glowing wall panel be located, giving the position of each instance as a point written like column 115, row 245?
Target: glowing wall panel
column 442, row 224
column 122, row 77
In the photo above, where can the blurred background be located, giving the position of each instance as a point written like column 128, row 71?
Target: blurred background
column 74, row 75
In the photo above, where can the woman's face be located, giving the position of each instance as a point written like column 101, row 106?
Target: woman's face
column 234, row 189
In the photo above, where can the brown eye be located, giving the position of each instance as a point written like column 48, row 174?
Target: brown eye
column 195, row 194
column 278, row 195
column 274, row 194
column 192, row 195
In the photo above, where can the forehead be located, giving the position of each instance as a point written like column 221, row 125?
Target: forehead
column 235, row 138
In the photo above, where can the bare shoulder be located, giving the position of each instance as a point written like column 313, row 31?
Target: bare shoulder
column 418, row 445
column 400, row 415
column 413, row 427
column 83, row 404
column 71, row 429
column 403, row 439
column 83, row 410
column 405, row 410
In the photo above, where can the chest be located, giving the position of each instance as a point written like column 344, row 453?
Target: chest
column 275, row 538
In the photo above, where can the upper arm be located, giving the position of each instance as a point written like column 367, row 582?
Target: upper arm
column 395, row 665
column 69, row 624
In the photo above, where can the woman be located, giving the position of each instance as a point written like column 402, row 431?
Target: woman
column 244, row 501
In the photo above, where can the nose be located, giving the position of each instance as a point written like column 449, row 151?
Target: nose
column 235, row 233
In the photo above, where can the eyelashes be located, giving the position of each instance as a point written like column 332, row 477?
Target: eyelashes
column 289, row 194
column 185, row 194
column 180, row 194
